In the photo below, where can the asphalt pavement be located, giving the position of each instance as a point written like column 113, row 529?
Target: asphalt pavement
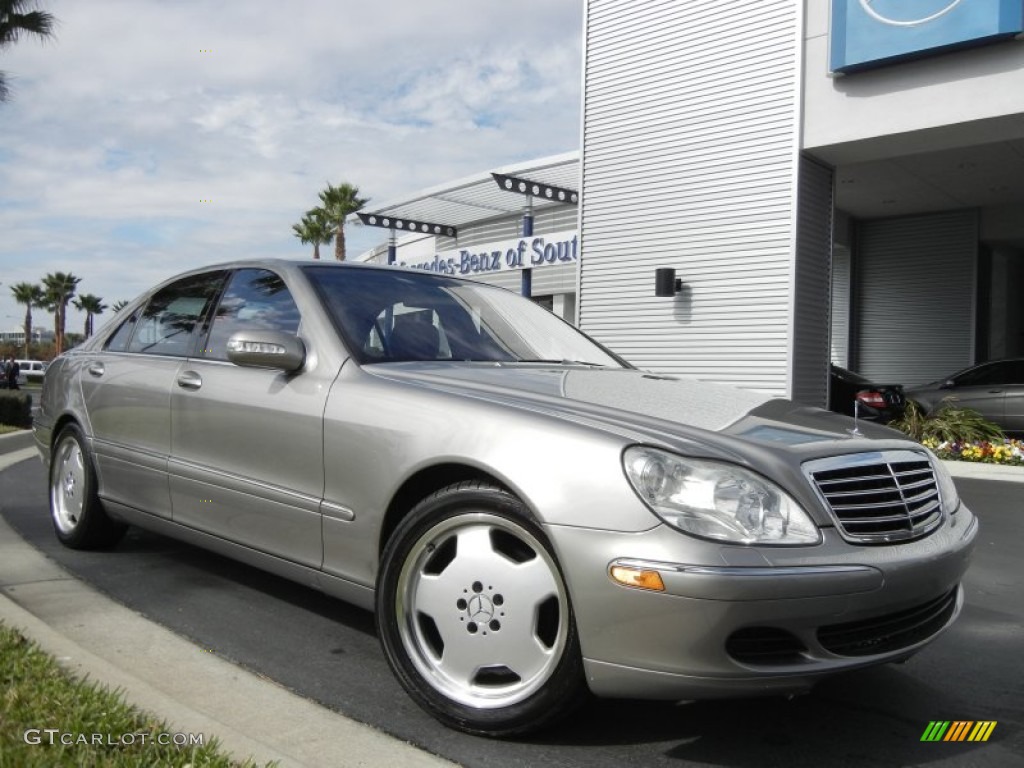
column 212, row 683
column 192, row 689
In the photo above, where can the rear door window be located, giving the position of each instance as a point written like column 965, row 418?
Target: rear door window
column 167, row 326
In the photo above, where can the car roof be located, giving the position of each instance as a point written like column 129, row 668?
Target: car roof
column 288, row 265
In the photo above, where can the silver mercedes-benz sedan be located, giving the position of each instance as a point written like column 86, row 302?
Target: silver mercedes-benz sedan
column 531, row 518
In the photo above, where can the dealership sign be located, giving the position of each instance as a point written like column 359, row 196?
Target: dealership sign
column 873, row 33
column 505, row 255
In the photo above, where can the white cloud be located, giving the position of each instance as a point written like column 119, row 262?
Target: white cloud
column 140, row 109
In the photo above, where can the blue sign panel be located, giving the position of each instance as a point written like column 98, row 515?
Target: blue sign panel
column 872, row 33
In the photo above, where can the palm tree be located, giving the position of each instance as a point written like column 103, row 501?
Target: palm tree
column 60, row 288
column 92, row 306
column 338, row 203
column 314, row 228
column 31, row 295
column 15, row 20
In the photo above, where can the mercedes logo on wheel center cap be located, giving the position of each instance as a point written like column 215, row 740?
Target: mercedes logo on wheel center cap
column 480, row 609
column 938, row 8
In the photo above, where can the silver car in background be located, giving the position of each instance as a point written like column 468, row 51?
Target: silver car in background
column 994, row 389
column 531, row 518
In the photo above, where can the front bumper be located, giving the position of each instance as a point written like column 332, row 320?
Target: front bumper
column 737, row 621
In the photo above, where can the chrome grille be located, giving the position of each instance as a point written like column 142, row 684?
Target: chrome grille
column 879, row 498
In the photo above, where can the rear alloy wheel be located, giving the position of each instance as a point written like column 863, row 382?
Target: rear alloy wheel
column 79, row 519
column 474, row 615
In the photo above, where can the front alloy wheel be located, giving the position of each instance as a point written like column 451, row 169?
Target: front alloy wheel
column 474, row 614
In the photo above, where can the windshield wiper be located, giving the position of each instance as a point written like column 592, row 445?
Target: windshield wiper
column 562, row 361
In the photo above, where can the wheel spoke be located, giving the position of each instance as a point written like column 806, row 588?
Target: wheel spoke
column 463, row 657
column 522, row 652
column 534, row 581
column 434, row 597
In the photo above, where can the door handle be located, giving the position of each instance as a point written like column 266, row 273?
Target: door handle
column 190, row 380
column 96, row 369
column 995, row 391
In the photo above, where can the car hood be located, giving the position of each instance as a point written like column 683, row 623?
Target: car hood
column 646, row 406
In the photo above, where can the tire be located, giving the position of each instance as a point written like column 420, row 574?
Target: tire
column 474, row 615
column 79, row 519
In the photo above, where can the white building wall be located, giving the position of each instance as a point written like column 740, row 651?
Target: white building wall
column 690, row 140
column 556, row 218
column 896, row 106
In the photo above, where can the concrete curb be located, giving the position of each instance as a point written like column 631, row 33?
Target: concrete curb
column 14, row 440
column 189, row 687
column 977, row 470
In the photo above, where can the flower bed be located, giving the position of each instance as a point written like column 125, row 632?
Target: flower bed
column 1006, row 452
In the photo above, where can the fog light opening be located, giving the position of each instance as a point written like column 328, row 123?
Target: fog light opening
column 637, row 578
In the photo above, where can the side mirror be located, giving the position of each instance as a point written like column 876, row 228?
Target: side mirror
column 267, row 349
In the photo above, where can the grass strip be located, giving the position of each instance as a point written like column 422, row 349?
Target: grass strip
column 49, row 717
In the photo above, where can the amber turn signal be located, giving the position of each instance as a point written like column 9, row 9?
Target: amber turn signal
column 634, row 577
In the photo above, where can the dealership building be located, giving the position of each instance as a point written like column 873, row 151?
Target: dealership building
column 830, row 180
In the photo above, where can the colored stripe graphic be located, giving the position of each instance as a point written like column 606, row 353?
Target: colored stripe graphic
column 982, row 730
column 935, row 731
column 958, row 730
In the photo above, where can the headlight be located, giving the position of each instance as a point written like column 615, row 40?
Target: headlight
column 947, row 490
column 717, row 500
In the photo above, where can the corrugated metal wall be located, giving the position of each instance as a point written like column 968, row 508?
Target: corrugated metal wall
column 690, row 124
column 841, row 305
column 915, row 289
column 810, row 330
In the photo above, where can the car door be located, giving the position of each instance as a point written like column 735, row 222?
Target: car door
column 1013, row 403
column 126, row 390
column 247, row 460
column 983, row 389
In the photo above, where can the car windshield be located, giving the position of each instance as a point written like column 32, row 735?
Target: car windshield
column 387, row 315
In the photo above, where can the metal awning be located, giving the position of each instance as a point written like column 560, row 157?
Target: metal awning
column 478, row 197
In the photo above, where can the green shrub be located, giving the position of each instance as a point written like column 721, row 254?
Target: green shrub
column 15, row 408
column 949, row 423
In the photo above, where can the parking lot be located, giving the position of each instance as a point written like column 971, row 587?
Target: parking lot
column 327, row 651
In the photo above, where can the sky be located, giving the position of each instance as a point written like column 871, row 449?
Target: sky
column 148, row 137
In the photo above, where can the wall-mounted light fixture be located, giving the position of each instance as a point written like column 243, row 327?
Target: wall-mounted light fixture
column 536, row 189
column 666, row 283
column 394, row 224
column 409, row 225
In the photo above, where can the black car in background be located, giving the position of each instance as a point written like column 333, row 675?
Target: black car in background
column 873, row 402
column 994, row 389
